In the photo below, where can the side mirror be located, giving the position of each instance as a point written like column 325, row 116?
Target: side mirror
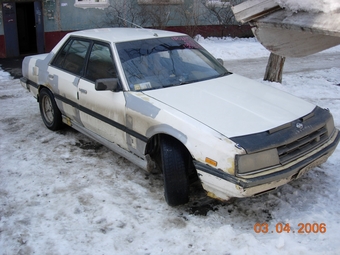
column 106, row 84
column 220, row 61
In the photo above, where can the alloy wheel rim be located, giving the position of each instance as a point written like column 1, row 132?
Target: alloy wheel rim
column 48, row 109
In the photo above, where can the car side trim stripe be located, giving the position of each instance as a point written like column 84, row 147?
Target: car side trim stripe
column 32, row 83
column 102, row 118
column 95, row 115
column 113, row 123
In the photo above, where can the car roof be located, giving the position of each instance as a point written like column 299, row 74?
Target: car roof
column 120, row 34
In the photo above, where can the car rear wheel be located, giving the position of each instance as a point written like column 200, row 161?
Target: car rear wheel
column 49, row 110
column 174, row 161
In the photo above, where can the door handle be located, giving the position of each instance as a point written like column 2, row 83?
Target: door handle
column 51, row 76
column 83, row 91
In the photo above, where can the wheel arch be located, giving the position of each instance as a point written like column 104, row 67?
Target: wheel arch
column 164, row 130
column 40, row 87
column 153, row 150
column 153, row 142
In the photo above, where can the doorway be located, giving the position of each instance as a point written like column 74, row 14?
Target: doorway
column 27, row 36
column 23, row 28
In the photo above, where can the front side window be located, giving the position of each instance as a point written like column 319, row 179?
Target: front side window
column 71, row 58
column 100, row 64
column 163, row 62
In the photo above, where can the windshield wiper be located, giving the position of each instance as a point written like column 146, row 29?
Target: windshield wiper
column 226, row 73
column 179, row 83
column 168, row 85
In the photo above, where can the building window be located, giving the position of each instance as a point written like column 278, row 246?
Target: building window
column 92, row 3
column 160, row 1
column 218, row 3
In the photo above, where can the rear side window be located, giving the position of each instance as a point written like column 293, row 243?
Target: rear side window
column 72, row 56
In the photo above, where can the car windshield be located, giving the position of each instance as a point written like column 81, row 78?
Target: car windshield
column 163, row 62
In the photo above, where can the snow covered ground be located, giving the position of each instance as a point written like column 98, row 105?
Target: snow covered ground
column 61, row 193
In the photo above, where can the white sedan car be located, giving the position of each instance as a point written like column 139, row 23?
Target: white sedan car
column 162, row 101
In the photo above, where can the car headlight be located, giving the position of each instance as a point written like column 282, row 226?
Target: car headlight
column 247, row 163
column 330, row 126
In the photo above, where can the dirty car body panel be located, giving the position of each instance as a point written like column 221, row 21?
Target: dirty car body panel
column 144, row 93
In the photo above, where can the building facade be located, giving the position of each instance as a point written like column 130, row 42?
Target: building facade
column 36, row 26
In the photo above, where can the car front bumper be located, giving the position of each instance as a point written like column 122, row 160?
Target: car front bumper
column 222, row 185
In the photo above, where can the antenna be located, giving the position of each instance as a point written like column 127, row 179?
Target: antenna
column 130, row 22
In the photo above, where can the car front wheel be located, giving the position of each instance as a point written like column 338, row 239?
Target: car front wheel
column 49, row 110
column 174, row 160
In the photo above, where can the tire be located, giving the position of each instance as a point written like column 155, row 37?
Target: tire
column 174, row 161
column 49, row 111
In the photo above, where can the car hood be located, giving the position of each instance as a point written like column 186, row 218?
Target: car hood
column 234, row 105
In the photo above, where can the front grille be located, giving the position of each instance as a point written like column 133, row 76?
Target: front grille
column 302, row 146
column 292, row 141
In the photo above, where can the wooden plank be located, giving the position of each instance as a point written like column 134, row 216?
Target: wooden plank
column 250, row 10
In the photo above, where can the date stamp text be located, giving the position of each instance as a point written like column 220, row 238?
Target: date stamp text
column 302, row 228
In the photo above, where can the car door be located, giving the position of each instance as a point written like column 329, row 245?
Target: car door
column 102, row 112
column 64, row 75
